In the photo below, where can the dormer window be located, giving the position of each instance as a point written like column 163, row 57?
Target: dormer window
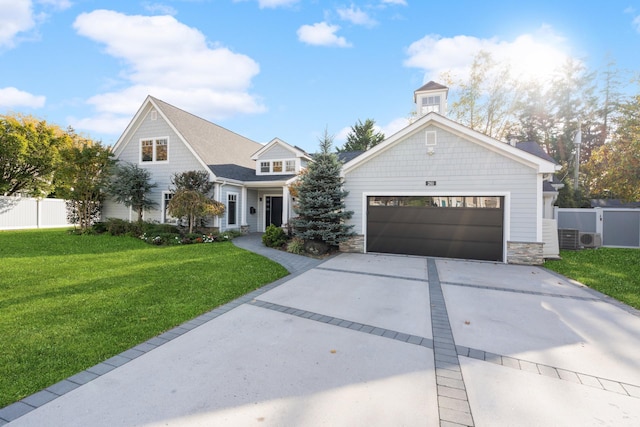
column 274, row 167
column 290, row 166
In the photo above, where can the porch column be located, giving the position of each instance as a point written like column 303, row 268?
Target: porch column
column 243, row 206
column 285, row 204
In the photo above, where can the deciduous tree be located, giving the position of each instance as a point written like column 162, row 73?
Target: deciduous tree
column 82, row 178
column 29, row 154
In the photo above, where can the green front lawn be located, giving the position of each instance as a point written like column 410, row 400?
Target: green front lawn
column 68, row 302
column 612, row 271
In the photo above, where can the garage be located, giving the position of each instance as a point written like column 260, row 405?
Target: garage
column 466, row 227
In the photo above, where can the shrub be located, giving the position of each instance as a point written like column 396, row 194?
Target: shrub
column 118, row 227
column 296, row 246
column 274, row 237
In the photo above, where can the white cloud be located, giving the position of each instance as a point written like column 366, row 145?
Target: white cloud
column 636, row 23
column 530, row 56
column 171, row 61
column 57, row 4
column 398, row 2
column 159, row 8
column 10, row 97
column 356, row 16
column 321, row 34
column 16, row 17
column 272, row 4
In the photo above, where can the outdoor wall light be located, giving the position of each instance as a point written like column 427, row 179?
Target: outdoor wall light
column 252, row 210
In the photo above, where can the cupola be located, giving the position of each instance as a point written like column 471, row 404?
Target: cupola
column 431, row 97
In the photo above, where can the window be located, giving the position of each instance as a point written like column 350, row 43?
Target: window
column 166, row 198
column 431, row 103
column 154, row 150
column 290, row 166
column 277, row 166
column 265, row 167
column 232, row 200
column 146, row 147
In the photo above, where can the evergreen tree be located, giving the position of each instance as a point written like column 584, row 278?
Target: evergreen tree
column 362, row 137
column 320, row 203
column 130, row 185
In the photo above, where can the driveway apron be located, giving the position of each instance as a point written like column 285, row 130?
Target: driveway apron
column 373, row 340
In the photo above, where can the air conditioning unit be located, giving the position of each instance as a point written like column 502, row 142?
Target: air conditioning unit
column 569, row 238
column 590, row 240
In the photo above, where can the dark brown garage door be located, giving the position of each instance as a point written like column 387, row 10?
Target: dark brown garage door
column 452, row 227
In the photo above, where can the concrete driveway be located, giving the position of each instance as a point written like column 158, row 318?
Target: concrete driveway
column 374, row 340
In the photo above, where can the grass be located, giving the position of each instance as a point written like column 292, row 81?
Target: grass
column 68, row 302
column 612, row 271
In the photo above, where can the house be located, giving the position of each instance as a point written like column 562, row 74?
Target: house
column 434, row 188
column 438, row 188
column 249, row 178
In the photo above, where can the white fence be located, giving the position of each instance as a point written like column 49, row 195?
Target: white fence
column 25, row 212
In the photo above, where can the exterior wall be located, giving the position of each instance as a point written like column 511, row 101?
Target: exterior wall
column 459, row 167
column 252, row 202
column 240, row 204
column 525, row 253
column 277, row 152
column 180, row 160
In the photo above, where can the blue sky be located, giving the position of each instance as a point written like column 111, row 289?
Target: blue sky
column 282, row 68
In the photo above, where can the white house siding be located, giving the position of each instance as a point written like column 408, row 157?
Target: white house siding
column 180, row 160
column 224, row 197
column 277, row 152
column 252, row 202
column 458, row 166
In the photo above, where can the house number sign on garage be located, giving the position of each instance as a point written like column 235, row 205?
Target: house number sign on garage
column 431, row 183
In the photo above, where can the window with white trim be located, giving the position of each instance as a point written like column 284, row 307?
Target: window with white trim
column 166, row 198
column 265, row 167
column 154, row 150
column 232, row 208
column 277, row 166
column 290, row 166
column 430, row 103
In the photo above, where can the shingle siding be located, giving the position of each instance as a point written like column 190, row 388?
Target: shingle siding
column 277, row 152
column 180, row 160
column 457, row 165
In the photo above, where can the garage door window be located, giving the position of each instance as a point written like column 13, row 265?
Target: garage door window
column 438, row 201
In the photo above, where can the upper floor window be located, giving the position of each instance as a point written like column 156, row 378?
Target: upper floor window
column 290, row 166
column 154, row 150
column 277, row 167
column 431, row 103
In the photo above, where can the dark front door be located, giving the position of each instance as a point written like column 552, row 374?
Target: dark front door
column 453, row 227
column 273, row 211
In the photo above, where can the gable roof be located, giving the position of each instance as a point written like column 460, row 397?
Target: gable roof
column 431, row 86
column 534, row 148
column 539, row 164
column 210, row 143
column 214, row 144
column 299, row 152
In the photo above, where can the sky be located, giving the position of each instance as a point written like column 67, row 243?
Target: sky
column 289, row 69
